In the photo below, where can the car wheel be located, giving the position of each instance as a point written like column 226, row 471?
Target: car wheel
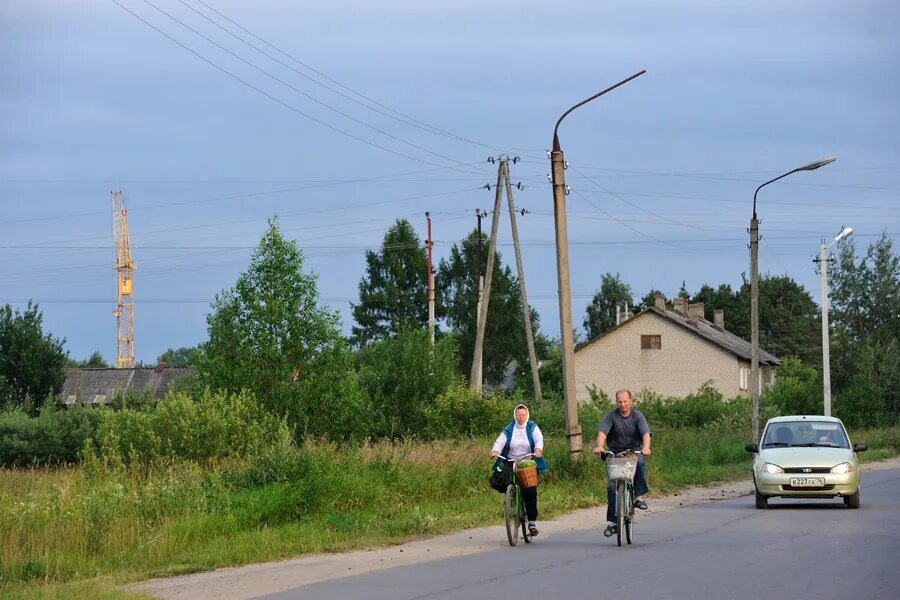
column 761, row 501
column 852, row 501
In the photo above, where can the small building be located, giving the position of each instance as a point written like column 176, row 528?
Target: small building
column 96, row 386
column 672, row 353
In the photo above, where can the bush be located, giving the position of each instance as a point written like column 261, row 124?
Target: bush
column 216, row 425
column 461, row 411
column 54, row 436
column 402, row 376
column 797, row 389
column 694, row 410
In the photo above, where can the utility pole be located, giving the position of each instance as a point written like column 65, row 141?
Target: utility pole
column 754, row 326
column 558, row 164
column 526, row 310
column 479, row 290
column 430, row 283
column 826, row 353
column 477, row 368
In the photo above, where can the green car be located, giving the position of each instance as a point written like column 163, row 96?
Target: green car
column 806, row 457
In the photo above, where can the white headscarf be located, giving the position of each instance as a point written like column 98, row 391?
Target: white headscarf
column 527, row 415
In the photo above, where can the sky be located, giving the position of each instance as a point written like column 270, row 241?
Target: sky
column 211, row 116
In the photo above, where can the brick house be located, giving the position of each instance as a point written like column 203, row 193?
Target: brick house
column 671, row 352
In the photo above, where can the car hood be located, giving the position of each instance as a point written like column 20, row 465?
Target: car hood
column 806, row 457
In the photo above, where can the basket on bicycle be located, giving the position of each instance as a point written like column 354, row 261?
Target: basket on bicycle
column 621, row 468
column 526, row 473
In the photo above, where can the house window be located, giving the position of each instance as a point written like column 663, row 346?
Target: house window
column 745, row 378
column 651, row 342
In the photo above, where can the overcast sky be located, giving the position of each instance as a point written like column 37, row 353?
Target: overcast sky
column 207, row 133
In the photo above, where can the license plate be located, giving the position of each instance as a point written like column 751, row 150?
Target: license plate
column 807, row 481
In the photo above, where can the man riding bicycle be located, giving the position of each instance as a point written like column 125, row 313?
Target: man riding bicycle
column 624, row 428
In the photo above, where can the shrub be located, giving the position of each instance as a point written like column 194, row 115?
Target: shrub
column 461, row 411
column 797, row 389
column 216, row 425
column 402, row 376
column 54, row 436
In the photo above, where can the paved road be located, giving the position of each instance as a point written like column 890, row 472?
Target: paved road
column 810, row 549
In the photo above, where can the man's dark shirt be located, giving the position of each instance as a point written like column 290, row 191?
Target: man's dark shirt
column 624, row 432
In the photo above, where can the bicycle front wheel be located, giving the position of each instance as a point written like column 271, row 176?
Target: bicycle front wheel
column 621, row 497
column 511, row 514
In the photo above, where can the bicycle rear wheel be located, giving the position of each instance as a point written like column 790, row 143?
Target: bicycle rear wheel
column 511, row 514
column 629, row 512
column 620, row 511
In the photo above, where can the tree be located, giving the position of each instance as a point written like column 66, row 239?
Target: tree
column 95, row 361
column 601, row 312
column 32, row 364
column 181, row 357
column 269, row 335
column 865, row 315
column 393, row 291
column 504, row 338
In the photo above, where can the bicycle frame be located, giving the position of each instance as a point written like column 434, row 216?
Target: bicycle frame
column 624, row 507
column 514, row 507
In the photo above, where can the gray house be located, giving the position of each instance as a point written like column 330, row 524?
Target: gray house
column 95, row 386
column 671, row 352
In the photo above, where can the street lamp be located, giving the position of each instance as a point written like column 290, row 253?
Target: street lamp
column 558, row 165
column 826, row 362
column 754, row 292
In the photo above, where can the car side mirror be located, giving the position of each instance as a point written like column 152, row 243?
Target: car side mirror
column 754, row 448
column 860, row 447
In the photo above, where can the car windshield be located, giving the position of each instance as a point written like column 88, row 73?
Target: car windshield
column 826, row 434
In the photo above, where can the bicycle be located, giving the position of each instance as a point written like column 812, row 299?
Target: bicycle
column 621, row 468
column 514, row 506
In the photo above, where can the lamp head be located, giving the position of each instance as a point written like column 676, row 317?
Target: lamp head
column 844, row 234
column 819, row 163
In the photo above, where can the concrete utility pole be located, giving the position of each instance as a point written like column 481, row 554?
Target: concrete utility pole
column 754, row 293
column 567, row 339
column 526, row 310
column 477, row 368
column 826, row 353
column 479, row 288
column 430, row 283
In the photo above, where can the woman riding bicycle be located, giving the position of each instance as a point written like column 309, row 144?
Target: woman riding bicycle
column 519, row 438
column 624, row 428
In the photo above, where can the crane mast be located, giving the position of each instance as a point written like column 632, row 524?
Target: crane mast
column 124, row 280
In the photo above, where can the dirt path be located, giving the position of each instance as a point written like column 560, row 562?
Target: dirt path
column 250, row 581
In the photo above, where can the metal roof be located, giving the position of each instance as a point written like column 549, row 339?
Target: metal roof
column 705, row 329
column 95, row 386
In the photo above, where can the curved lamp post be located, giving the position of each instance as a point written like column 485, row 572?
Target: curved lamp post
column 826, row 357
column 558, row 165
column 754, row 292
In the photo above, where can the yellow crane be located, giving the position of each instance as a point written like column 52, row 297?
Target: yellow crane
column 124, row 278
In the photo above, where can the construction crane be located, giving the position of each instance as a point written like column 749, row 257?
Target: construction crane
column 124, row 279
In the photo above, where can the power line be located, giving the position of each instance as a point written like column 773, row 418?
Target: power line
column 270, row 96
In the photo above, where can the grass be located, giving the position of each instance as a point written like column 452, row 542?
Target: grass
column 81, row 531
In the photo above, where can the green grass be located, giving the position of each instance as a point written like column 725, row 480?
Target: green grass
column 81, row 531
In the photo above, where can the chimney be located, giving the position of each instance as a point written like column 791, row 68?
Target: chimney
column 719, row 317
column 160, row 367
column 681, row 306
column 695, row 312
column 660, row 302
column 618, row 314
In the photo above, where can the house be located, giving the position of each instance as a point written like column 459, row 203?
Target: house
column 96, row 386
column 671, row 352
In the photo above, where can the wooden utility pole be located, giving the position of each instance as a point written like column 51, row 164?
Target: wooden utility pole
column 477, row 370
column 526, row 310
column 430, row 283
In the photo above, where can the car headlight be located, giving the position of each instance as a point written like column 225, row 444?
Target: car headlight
column 842, row 468
column 770, row 468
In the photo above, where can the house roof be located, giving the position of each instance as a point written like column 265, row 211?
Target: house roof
column 705, row 329
column 94, row 386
